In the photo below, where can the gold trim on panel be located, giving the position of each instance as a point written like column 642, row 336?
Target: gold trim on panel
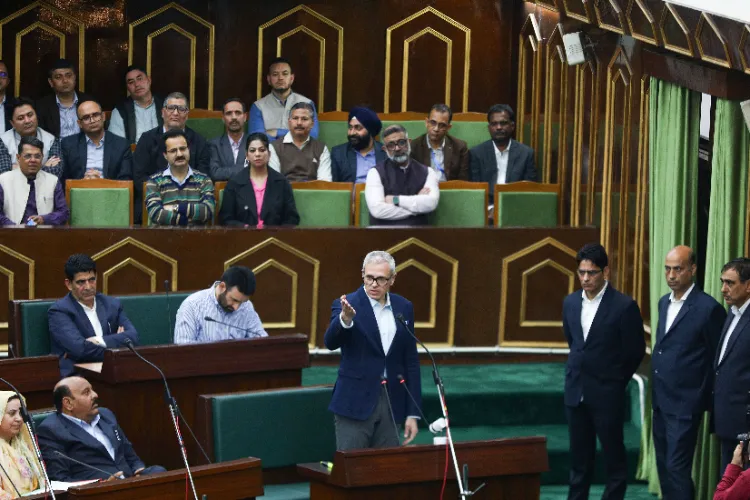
column 189, row 36
column 467, row 55
column 649, row 17
column 299, row 254
column 524, row 291
column 556, row 87
column 504, row 291
column 530, row 33
column 448, row 65
column 11, row 281
column 454, row 283
column 618, row 12
column 125, row 263
column 81, row 40
column 708, row 19
column 747, row 214
column 741, row 48
column 292, row 322
column 321, row 60
column 26, row 260
column 19, row 36
column 670, row 10
column 433, row 290
column 340, row 56
column 574, row 15
column 642, row 193
column 142, row 246
column 194, row 17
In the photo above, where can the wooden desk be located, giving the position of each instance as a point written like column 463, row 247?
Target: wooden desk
column 34, row 377
column 511, row 469
column 134, row 391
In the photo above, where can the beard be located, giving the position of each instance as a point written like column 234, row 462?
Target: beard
column 223, row 303
column 400, row 158
column 358, row 142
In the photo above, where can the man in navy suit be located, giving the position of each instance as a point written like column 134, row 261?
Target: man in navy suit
column 604, row 330
column 351, row 161
column 732, row 362
column 85, row 323
column 84, row 432
column 682, row 371
column 377, row 351
column 93, row 153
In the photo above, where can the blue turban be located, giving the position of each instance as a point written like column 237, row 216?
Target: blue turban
column 368, row 118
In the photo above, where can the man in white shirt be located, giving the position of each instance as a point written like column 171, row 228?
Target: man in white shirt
column 84, row 323
column 400, row 191
column 140, row 111
column 682, row 371
column 732, row 362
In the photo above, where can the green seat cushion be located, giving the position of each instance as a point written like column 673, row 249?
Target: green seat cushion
column 35, row 328
column 526, row 209
column 209, row 128
column 460, row 208
column 86, row 207
column 281, row 427
column 323, row 208
column 364, row 212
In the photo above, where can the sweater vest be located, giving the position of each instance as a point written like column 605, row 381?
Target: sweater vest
column 401, row 182
column 299, row 164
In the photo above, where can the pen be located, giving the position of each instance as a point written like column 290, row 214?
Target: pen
column 327, row 465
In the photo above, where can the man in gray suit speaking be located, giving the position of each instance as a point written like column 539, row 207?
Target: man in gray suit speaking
column 228, row 151
column 501, row 160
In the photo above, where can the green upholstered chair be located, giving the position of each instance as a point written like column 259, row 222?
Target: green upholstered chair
column 361, row 212
column 323, row 204
column 333, row 132
column 99, row 202
column 207, row 123
column 526, row 204
column 462, row 204
column 30, row 329
column 282, row 427
column 38, row 416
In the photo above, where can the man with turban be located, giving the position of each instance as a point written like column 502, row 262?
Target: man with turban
column 351, row 161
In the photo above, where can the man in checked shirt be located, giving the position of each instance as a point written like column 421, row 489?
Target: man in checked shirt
column 222, row 312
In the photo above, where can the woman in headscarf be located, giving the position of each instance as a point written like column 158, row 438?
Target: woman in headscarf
column 20, row 471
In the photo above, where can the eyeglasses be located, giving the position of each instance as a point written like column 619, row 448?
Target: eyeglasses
column 394, row 144
column 590, row 272
column 380, row 280
column 503, row 123
column 440, row 126
column 29, row 156
column 93, row 117
column 174, row 107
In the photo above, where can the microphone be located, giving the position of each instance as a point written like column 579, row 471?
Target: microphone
column 12, row 351
column 212, row 320
column 402, row 381
column 169, row 312
column 108, row 474
column 435, row 372
column 384, row 384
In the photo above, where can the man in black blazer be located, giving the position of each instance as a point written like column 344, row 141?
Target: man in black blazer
column 682, row 371
column 501, row 156
column 228, row 151
column 351, row 161
column 57, row 111
column 732, row 362
column 83, row 431
column 6, row 100
column 604, row 331
column 108, row 153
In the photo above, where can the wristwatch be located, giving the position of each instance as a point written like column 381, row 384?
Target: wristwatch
column 395, row 200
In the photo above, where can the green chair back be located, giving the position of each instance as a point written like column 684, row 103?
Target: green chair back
column 86, row 207
column 323, row 208
column 460, row 208
column 526, row 209
column 266, row 424
column 473, row 133
column 38, row 416
column 34, row 328
column 332, row 132
column 364, row 212
column 209, row 128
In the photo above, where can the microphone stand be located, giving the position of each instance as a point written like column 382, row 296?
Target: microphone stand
column 173, row 412
column 384, row 384
column 30, row 427
column 463, row 481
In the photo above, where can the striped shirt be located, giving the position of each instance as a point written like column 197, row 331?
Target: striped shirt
column 171, row 203
column 192, row 328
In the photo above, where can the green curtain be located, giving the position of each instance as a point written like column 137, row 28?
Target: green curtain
column 674, row 134
column 725, row 241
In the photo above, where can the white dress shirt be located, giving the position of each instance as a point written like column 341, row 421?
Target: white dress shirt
column 589, row 308
column 95, row 155
column 235, row 146
column 324, row 162
column 437, row 159
column 385, row 319
column 94, row 431
column 673, row 309
column 407, row 205
column 94, row 319
column 145, row 119
column 737, row 315
column 501, row 158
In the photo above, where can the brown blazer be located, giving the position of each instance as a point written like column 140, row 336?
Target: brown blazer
column 455, row 152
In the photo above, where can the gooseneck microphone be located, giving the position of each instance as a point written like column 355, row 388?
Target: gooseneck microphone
column 35, row 443
column 246, row 331
column 66, row 457
column 435, row 427
column 384, row 385
column 173, row 412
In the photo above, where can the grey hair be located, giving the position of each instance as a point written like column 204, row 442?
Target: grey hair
column 176, row 95
column 392, row 129
column 378, row 256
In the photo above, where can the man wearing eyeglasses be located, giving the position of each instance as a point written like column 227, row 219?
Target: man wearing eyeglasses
column 378, row 358
column 400, row 191
column 604, row 331
column 6, row 100
column 448, row 156
column 94, row 153
column 149, row 156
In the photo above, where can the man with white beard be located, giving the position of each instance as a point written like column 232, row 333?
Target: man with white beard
column 400, row 191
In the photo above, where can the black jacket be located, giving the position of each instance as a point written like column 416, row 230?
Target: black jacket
column 732, row 379
column 48, row 113
column 118, row 160
column 126, row 109
column 238, row 205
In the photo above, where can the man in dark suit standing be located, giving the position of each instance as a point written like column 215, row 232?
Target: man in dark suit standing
column 94, row 153
column 682, row 371
column 83, row 431
column 57, row 111
column 85, row 323
column 604, row 330
column 369, row 326
column 228, row 151
column 351, row 161
column 436, row 149
column 732, row 362
column 501, row 160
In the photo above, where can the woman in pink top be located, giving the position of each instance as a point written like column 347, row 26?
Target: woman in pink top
column 255, row 186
